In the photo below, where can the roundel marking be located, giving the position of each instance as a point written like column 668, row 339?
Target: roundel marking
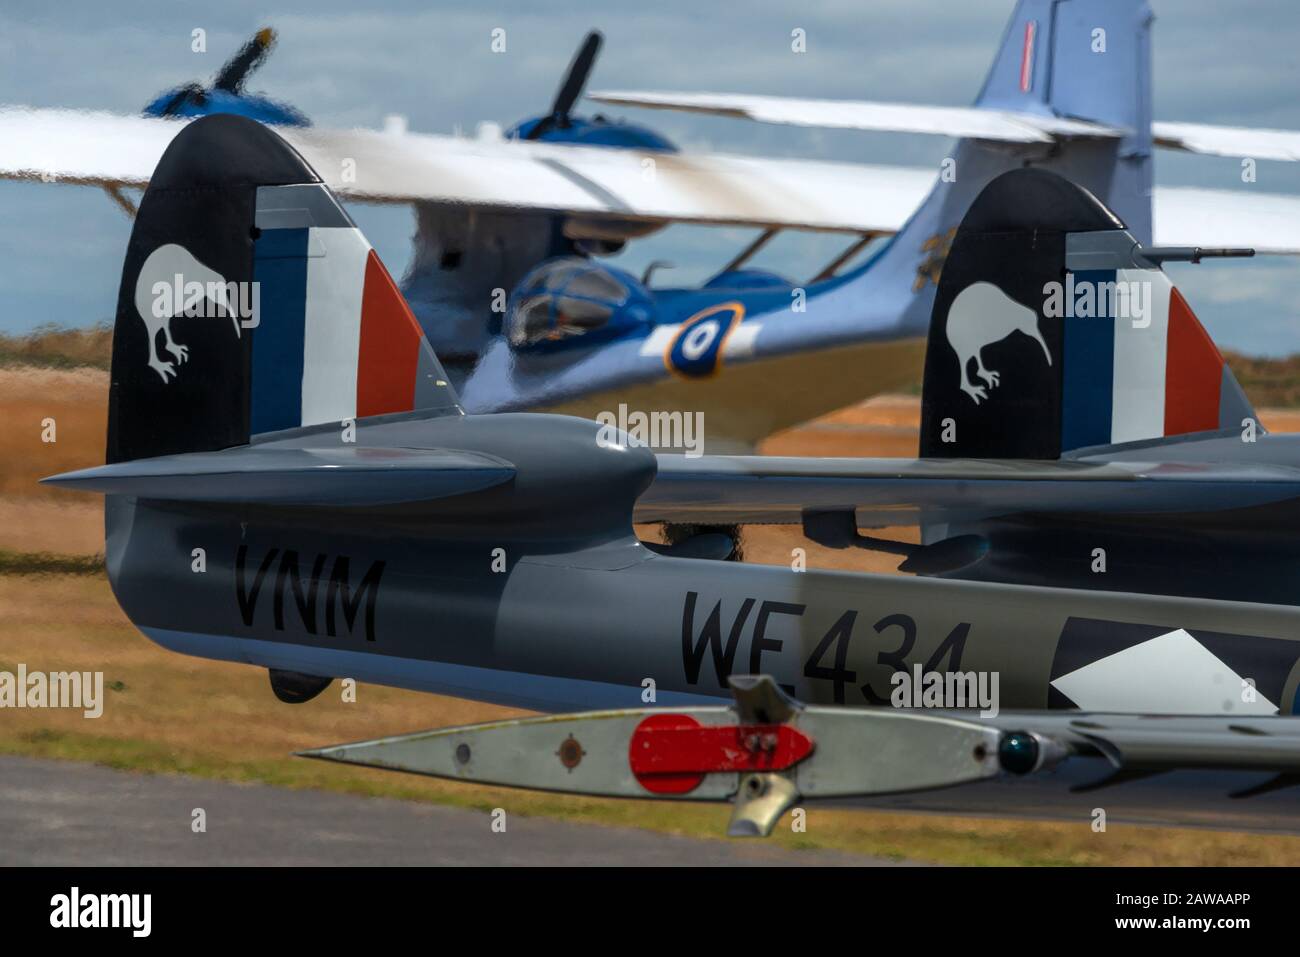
column 696, row 350
column 642, row 755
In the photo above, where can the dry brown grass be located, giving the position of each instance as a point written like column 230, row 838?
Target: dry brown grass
column 1267, row 381
column 60, row 348
column 74, row 527
column 77, row 402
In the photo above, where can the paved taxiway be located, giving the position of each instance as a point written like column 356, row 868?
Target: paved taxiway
column 60, row 813
column 63, row 813
column 1177, row 799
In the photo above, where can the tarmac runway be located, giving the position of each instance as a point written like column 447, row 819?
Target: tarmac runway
column 68, row 814
column 61, row 813
column 1180, row 799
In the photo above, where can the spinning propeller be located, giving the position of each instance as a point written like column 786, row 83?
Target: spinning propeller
column 231, row 77
column 574, row 82
column 226, row 93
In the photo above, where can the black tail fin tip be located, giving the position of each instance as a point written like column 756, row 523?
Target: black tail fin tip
column 1025, row 200
column 1051, row 333
column 199, row 210
column 227, row 151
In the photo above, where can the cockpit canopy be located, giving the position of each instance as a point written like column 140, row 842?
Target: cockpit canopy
column 571, row 296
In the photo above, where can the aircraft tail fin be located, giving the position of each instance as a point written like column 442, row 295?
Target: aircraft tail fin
column 1063, row 60
column 250, row 303
column 1054, row 330
column 1086, row 60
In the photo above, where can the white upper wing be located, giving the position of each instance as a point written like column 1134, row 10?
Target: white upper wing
column 621, row 183
column 81, row 147
column 1228, row 140
column 974, row 122
column 967, row 121
column 110, row 149
column 1265, row 222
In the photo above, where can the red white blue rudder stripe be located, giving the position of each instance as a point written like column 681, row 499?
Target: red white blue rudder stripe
column 333, row 338
column 1137, row 364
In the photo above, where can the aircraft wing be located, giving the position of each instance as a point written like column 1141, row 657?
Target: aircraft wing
column 334, row 477
column 757, row 489
column 113, row 150
column 1008, row 126
column 1186, row 216
column 1228, row 140
column 714, row 188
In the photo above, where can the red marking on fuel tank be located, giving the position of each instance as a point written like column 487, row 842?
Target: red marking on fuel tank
column 671, row 753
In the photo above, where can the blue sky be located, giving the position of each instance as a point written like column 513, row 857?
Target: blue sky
column 61, row 246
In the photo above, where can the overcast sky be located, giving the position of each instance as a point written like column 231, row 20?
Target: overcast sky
column 61, row 246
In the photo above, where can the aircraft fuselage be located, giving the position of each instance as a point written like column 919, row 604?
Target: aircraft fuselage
column 555, row 604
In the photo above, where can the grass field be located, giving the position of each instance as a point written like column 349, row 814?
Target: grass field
column 166, row 713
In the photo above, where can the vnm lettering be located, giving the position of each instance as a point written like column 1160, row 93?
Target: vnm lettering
column 306, row 594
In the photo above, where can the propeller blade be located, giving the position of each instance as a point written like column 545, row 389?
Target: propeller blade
column 576, row 79
column 245, row 61
column 574, row 82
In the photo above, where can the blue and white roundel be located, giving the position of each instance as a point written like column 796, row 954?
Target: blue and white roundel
column 696, row 349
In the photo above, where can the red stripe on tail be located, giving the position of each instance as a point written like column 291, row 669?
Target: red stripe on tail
column 390, row 346
column 1027, row 57
column 1193, row 372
